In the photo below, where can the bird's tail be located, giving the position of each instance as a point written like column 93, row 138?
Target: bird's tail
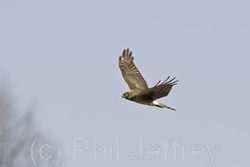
column 158, row 104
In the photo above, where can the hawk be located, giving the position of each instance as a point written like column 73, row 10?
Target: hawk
column 139, row 91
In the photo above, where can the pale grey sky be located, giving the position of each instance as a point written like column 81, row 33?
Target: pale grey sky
column 62, row 57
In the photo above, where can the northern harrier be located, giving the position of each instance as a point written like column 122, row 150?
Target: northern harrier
column 139, row 91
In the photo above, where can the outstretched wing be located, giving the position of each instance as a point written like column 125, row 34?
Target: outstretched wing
column 130, row 73
column 160, row 89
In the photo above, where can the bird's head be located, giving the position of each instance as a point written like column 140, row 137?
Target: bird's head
column 125, row 95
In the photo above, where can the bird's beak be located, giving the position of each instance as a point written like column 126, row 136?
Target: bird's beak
column 123, row 96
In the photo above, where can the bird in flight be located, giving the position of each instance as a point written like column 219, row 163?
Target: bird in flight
column 139, row 91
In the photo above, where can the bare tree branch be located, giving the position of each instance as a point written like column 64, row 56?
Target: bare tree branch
column 17, row 133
